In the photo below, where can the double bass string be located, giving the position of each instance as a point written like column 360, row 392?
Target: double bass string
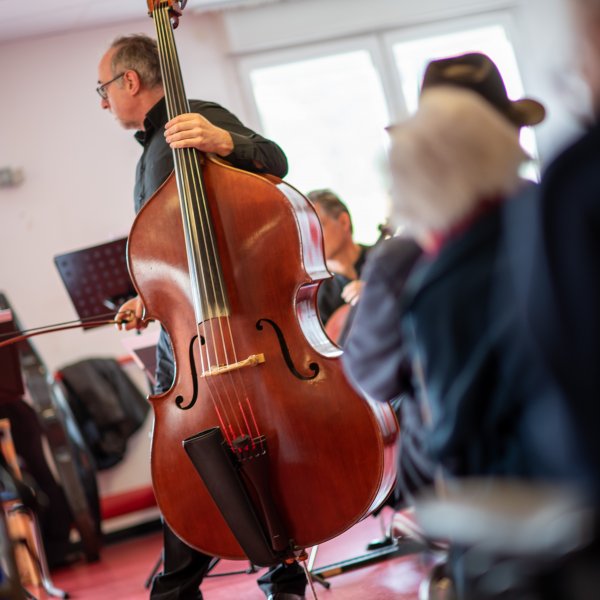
column 190, row 154
column 177, row 105
column 198, row 205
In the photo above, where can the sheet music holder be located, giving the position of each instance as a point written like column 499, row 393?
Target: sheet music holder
column 96, row 278
column 11, row 379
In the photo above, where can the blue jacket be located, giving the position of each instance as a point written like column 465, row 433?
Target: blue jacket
column 492, row 407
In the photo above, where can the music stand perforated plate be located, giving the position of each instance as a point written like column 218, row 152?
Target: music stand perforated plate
column 96, row 278
column 11, row 379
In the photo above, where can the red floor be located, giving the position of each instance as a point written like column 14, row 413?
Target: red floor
column 124, row 567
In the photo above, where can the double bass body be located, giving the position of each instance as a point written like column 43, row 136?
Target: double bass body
column 330, row 452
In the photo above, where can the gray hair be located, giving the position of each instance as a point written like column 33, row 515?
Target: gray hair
column 139, row 53
column 330, row 203
column 455, row 153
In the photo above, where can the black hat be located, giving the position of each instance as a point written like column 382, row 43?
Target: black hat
column 477, row 72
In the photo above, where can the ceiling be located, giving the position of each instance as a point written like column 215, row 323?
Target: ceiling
column 32, row 18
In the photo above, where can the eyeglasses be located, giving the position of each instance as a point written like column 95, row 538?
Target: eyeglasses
column 101, row 89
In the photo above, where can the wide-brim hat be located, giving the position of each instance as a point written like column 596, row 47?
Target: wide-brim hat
column 478, row 72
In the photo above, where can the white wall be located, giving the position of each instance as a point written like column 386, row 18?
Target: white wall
column 79, row 164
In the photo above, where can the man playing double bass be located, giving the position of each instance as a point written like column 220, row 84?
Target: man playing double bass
column 130, row 86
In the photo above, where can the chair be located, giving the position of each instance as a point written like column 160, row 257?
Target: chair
column 22, row 526
column 10, row 587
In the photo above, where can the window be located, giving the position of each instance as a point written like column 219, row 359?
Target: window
column 329, row 115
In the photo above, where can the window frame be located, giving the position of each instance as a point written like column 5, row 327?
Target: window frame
column 272, row 58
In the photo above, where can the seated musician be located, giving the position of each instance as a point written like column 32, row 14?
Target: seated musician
column 344, row 257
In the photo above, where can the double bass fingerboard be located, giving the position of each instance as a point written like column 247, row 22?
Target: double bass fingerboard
column 208, row 290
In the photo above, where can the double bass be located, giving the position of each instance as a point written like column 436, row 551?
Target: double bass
column 229, row 262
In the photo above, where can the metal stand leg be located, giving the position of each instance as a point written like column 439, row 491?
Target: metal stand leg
column 10, row 587
column 311, row 575
column 309, row 579
column 396, row 548
column 251, row 569
column 37, row 553
column 386, row 535
column 154, row 571
column 28, row 595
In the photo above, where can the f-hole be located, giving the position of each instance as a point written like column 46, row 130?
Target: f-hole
column 313, row 366
column 179, row 400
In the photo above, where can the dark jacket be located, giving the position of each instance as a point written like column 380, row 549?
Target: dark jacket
column 373, row 355
column 492, row 407
column 106, row 404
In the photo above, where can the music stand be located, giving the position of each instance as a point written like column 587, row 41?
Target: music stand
column 96, row 278
column 11, row 379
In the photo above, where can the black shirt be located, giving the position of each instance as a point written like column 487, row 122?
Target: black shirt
column 329, row 296
column 156, row 162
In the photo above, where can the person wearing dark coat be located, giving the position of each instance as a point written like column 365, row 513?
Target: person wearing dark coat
column 491, row 408
column 478, row 383
column 376, row 357
column 344, row 257
column 553, row 241
column 551, row 238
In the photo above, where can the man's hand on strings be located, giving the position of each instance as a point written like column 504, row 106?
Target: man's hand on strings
column 192, row 130
column 129, row 315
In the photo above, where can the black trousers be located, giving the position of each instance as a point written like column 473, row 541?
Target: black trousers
column 184, row 569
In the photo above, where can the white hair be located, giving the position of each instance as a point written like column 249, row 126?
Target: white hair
column 456, row 151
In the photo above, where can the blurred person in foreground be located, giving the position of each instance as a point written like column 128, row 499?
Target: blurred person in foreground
column 454, row 163
column 553, row 243
column 482, row 391
column 490, row 407
column 345, row 258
